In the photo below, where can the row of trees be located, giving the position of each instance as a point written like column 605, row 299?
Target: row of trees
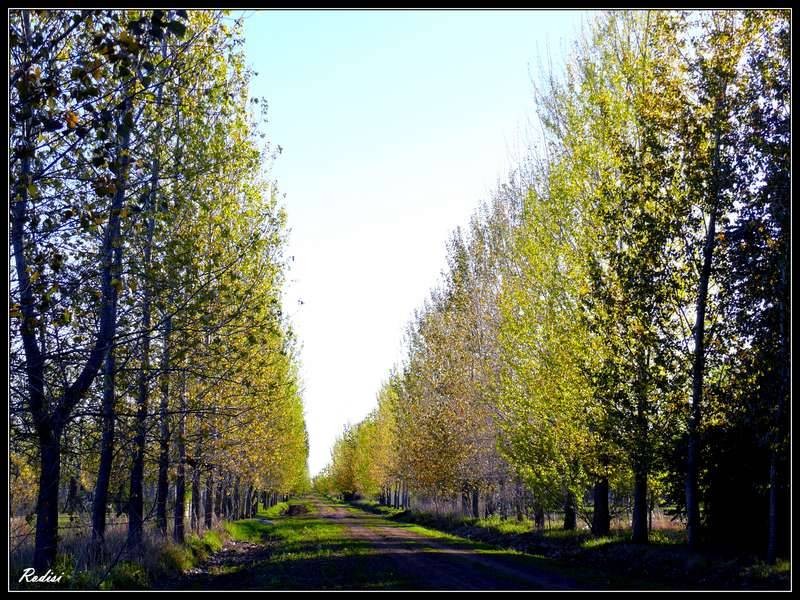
column 148, row 354
column 615, row 322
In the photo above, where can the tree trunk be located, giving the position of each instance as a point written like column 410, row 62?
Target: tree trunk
column 778, row 420
column 136, row 496
column 640, row 505
column 49, row 438
column 178, row 532
column 475, row 501
column 236, row 500
column 538, row 517
column 227, row 504
column 208, row 512
column 48, row 424
column 137, row 471
column 570, row 516
column 772, row 527
column 47, row 503
column 72, row 496
column 100, row 500
column 601, row 520
column 641, row 458
column 180, row 479
column 698, row 368
column 693, row 450
column 504, row 505
column 136, row 504
column 162, row 493
column 246, row 505
column 195, row 509
column 218, row 501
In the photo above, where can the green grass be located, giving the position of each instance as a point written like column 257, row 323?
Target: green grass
column 127, row 575
column 309, row 536
column 599, row 542
column 505, row 526
column 293, row 546
column 174, row 559
column 276, row 511
column 193, row 552
column 611, row 562
column 311, row 552
column 763, row 575
column 247, row 530
column 401, row 518
column 305, row 551
column 203, row 547
column 370, row 506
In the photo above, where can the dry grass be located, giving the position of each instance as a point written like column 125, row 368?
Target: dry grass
column 112, row 566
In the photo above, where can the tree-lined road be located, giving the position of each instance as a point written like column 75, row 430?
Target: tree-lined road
column 335, row 546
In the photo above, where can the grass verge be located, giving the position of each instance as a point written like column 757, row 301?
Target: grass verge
column 609, row 562
column 305, row 550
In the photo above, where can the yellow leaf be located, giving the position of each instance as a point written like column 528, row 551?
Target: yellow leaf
column 127, row 40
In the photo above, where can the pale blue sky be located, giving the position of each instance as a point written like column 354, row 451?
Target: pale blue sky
column 394, row 126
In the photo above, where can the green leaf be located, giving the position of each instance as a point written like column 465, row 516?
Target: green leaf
column 178, row 28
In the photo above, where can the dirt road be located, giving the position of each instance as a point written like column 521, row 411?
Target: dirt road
column 334, row 546
column 441, row 564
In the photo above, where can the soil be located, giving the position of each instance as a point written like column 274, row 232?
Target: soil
column 444, row 565
column 391, row 556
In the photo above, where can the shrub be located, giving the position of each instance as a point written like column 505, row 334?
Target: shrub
column 172, row 559
column 127, row 576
